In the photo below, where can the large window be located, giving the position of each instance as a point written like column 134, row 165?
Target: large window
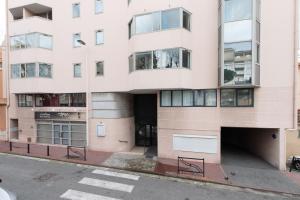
column 237, row 97
column 99, row 37
column 25, row 100
column 60, row 100
column 235, row 10
column 188, row 98
column 31, row 40
column 161, row 20
column 160, row 59
column 76, row 10
column 29, row 70
column 98, row 6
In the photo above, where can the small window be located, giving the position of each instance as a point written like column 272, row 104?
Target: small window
column 45, row 70
column 30, row 70
column 228, row 98
column 177, row 98
column 210, row 98
column 76, row 10
column 25, row 100
column 244, row 97
column 99, row 37
column 186, row 60
column 166, row 98
column 143, row 60
column 188, row 98
column 98, row 6
column 99, row 69
column 77, row 70
column 76, row 38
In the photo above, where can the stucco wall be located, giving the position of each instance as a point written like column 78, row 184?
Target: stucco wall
column 292, row 143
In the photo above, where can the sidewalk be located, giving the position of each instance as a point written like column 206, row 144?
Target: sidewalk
column 214, row 173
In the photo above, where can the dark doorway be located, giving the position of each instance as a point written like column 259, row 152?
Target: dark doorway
column 145, row 112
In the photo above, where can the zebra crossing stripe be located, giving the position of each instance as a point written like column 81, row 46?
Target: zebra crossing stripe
column 116, row 174
column 107, row 185
column 78, row 195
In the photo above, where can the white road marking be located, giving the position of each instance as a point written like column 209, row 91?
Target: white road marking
column 116, row 174
column 77, row 195
column 107, row 184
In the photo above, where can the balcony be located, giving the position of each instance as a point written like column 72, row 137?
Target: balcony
column 31, row 10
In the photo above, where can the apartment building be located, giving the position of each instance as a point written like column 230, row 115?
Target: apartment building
column 182, row 77
column 2, row 99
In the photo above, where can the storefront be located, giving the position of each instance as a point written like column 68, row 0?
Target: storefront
column 61, row 128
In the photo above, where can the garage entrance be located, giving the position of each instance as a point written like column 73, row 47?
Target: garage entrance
column 250, row 147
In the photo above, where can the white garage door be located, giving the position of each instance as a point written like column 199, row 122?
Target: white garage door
column 195, row 143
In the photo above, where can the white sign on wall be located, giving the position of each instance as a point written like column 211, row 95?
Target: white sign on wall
column 195, row 143
column 100, row 130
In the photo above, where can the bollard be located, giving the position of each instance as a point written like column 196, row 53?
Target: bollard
column 68, row 153
column 84, row 153
column 48, row 150
column 28, row 148
column 10, row 146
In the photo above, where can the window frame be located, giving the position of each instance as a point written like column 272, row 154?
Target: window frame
column 102, row 11
column 74, row 42
column 26, row 106
column 101, row 75
column 101, row 31
column 73, row 6
column 252, row 105
column 193, row 92
column 74, row 65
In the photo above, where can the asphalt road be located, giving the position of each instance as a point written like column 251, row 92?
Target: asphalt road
column 32, row 179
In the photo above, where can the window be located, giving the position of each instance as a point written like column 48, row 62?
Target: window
column 143, row 60
column 25, row 100
column 189, row 98
column 29, row 70
column 160, row 20
column 166, row 58
column 45, row 70
column 76, row 38
column 60, row 100
column 77, row 70
column 186, row 20
column 235, row 10
column 98, row 6
column 177, row 98
column 99, row 69
column 76, row 10
column 170, row 19
column 166, row 98
column 45, row 41
column 237, row 97
column 31, row 40
column 78, row 100
column 99, row 37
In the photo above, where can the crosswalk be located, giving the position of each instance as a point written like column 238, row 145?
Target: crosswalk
column 103, row 184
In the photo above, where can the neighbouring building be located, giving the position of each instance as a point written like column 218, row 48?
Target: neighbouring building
column 185, row 77
column 2, row 99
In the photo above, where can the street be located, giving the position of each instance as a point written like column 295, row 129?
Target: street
column 35, row 179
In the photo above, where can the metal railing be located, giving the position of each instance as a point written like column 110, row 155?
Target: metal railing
column 78, row 154
column 191, row 165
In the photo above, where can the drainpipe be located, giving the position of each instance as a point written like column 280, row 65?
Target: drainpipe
column 295, row 85
column 7, row 63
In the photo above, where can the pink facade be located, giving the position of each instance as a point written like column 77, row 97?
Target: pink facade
column 111, row 119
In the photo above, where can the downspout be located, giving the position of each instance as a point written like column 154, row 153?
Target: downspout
column 7, row 77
